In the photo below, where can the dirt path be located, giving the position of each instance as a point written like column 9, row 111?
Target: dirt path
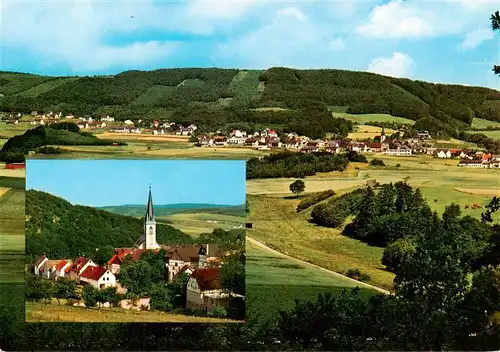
column 359, row 283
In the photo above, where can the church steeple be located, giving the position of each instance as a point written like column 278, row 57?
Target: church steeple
column 150, row 214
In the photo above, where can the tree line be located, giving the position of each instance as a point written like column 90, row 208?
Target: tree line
column 290, row 164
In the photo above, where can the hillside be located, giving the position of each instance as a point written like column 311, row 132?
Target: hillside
column 168, row 209
column 59, row 229
column 216, row 97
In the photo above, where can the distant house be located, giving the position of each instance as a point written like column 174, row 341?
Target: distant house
column 117, row 259
column 252, row 141
column 442, row 154
column 205, row 140
column 220, row 141
column 473, row 163
column 83, row 125
column 98, row 277
column 108, row 119
column 236, row 140
column 310, row 148
column 182, row 258
column 204, row 290
column 158, row 131
column 128, row 122
column 54, row 269
column 70, row 116
column 358, row 147
column 78, row 267
column 39, row 263
column 402, row 151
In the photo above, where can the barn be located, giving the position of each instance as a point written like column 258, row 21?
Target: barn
column 15, row 166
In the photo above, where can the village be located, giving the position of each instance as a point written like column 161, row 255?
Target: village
column 200, row 264
column 269, row 139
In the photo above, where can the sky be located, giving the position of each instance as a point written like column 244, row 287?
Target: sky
column 119, row 182
column 447, row 41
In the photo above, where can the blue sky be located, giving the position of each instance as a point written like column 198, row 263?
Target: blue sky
column 118, row 182
column 447, row 41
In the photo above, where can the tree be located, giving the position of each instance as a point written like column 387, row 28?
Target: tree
column 233, row 274
column 90, row 296
column 65, row 289
column 136, row 276
column 297, row 187
column 495, row 25
column 103, row 254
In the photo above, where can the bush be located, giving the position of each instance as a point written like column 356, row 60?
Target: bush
column 358, row 275
column 314, row 198
column 218, row 312
column 398, row 165
column 50, row 150
column 377, row 162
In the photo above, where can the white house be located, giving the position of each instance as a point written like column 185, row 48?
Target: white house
column 78, row 267
column 444, row 155
column 39, row 263
column 158, row 131
column 83, row 125
column 54, row 269
column 128, row 122
column 98, row 277
column 399, row 151
column 108, row 119
column 204, row 290
column 236, row 140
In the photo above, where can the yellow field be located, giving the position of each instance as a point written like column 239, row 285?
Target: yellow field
column 39, row 312
column 143, row 137
column 197, row 223
column 3, row 190
column 488, row 192
column 367, row 131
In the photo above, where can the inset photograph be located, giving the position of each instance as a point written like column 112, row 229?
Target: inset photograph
column 135, row 241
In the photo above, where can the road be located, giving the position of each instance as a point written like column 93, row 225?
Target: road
column 304, row 263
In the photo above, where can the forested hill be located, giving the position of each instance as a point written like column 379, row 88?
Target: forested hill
column 61, row 230
column 215, row 97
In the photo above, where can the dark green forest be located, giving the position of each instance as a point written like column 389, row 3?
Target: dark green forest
column 290, row 164
column 64, row 133
column 62, row 230
column 213, row 97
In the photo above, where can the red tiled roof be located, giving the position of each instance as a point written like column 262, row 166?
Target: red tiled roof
column 79, row 263
column 40, row 260
column 93, row 272
column 208, row 279
column 375, row 145
column 115, row 259
column 62, row 263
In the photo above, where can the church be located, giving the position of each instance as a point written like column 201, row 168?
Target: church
column 148, row 239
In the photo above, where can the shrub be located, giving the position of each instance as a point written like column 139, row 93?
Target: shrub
column 218, row 312
column 314, row 198
column 398, row 165
column 377, row 162
column 356, row 274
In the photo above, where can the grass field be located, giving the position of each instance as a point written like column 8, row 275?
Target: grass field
column 364, row 118
column 277, row 224
column 197, row 223
column 11, row 235
column 491, row 134
column 19, row 173
column 273, row 282
column 482, row 123
column 39, row 312
column 46, row 86
column 366, row 131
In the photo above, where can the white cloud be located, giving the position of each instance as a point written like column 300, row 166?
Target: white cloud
column 291, row 39
column 418, row 19
column 398, row 65
column 396, row 20
column 83, row 34
column 474, row 38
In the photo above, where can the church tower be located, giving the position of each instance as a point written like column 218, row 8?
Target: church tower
column 202, row 258
column 150, row 225
column 382, row 136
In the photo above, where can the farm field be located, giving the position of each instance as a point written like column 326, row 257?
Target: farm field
column 39, row 312
column 482, row 123
column 197, row 223
column 274, row 282
column 158, row 151
column 490, row 134
column 277, row 224
column 366, row 131
column 11, row 234
column 143, row 137
column 18, row 173
column 364, row 118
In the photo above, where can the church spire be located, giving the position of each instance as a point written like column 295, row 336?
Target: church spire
column 150, row 214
